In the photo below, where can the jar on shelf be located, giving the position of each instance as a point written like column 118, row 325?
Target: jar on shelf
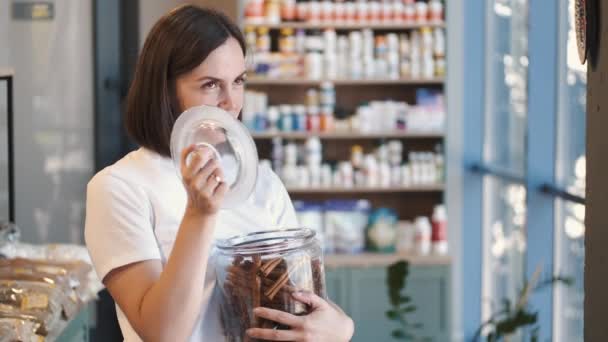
column 263, row 269
column 288, row 10
column 287, row 41
column 272, row 11
column 263, row 41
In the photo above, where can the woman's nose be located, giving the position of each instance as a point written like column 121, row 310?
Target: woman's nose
column 227, row 102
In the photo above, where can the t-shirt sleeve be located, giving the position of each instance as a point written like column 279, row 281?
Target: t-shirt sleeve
column 282, row 208
column 118, row 224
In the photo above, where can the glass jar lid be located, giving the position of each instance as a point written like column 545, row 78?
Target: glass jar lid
column 230, row 142
column 270, row 241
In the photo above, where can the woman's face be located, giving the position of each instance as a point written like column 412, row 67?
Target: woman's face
column 218, row 81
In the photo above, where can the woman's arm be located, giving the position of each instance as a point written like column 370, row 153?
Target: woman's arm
column 163, row 304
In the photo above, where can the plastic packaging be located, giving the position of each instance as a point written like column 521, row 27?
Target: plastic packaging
column 39, row 302
column 310, row 215
column 22, row 330
column 405, row 241
column 345, row 223
column 263, row 269
column 382, row 230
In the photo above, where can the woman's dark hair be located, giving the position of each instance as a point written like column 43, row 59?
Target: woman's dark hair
column 179, row 42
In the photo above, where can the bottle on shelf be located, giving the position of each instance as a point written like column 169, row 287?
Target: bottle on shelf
column 439, row 233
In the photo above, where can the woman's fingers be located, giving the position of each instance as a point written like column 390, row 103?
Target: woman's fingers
column 194, row 159
column 207, row 176
column 274, row 335
column 310, row 299
column 278, row 316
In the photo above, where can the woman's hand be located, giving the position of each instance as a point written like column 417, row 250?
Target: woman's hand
column 326, row 322
column 203, row 179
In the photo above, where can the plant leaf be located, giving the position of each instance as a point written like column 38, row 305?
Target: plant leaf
column 396, row 276
column 392, row 314
column 398, row 334
column 408, row 309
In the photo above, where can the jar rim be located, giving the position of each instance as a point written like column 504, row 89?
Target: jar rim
column 267, row 241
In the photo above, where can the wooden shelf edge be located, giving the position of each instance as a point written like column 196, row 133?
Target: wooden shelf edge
column 420, row 188
column 377, row 25
column 295, row 81
column 347, row 135
column 378, row 259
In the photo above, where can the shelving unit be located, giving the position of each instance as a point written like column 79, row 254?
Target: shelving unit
column 351, row 277
column 346, row 135
column 410, row 201
column 362, row 190
column 252, row 81
column 348, row 26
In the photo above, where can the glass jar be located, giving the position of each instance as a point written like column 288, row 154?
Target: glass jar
column 263, row 269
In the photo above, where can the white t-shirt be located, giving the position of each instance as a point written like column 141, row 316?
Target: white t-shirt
column 135, row 207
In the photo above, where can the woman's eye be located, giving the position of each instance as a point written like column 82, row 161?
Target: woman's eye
column 210, row 85
column 240, row 81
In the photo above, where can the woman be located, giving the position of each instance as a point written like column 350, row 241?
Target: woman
column 148, row 232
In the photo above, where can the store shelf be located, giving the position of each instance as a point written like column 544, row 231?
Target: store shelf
column 345, row 82
column 346, row 135
column 362, row 190
column 378, row 259
column 347, row 25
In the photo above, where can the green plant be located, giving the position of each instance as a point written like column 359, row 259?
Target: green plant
column 402, row 306
column 510, row 318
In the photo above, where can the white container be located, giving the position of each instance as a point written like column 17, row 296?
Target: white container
column 405, row 241
column 435, row 10
column 326, row 176
column 370, row 166
column 406, row 175
column 346, row 174
column 350, row 11
column 327, row 10
column 314, row 11
column 422, row 12
column 303, row 177
column 423, row 235
column 384, row 175
column 340, row 11
column 314, row 170
column 314, row 65
column 273, row 118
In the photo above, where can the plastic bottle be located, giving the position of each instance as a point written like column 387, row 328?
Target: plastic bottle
column 288, row 10
column 272, row 11
column 328, row 94
column 302, row 9
column 287, row 41
column 405, row 240
column 286, row 118
column 313, row 123
column 327, row 10
column 263, row 42
column 439, row 234
column 423, row 235
column 273, row 118
column 435, row 10
column 326, row 119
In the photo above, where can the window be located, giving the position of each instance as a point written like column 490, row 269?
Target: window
column 570, row 175
column 504, row 201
